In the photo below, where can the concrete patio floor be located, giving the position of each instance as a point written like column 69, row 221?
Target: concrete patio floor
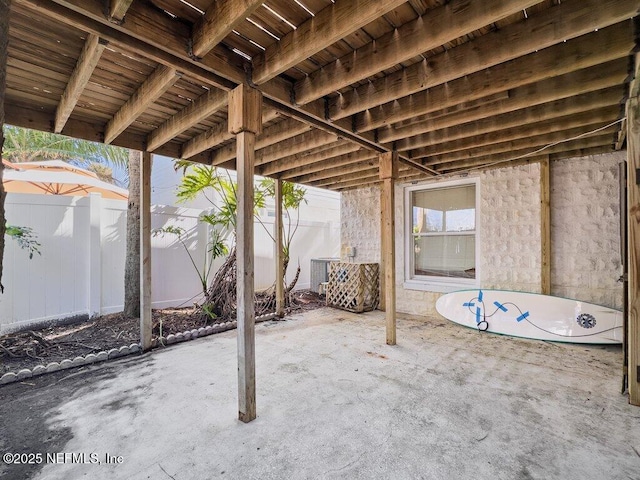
column 335, row 402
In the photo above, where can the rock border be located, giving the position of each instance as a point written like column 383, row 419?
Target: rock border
column 104, row 355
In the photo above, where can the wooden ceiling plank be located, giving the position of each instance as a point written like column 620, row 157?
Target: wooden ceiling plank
column 438, row 26
column 220, row 20
column 138, row 36
column 329, row 26
column 297, row 144
column 152, row 88
column 559, row 110
column 334, row 170
column 589, row 117
column 311, row 156
column 483, row 160
column 215, row 136
column 87, row 61
column 196, row 112
column 271, row 135
column 605, row 45
column 575, row 83
column 118, row 9
column 511, row 146
column 333, row 162
column 568, row 20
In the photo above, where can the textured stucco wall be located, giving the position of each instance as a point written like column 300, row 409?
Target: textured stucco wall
column 584, row 220
column 585, row 238
column 510, row 255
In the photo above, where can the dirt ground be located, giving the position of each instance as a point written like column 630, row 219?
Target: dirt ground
column 53, row 344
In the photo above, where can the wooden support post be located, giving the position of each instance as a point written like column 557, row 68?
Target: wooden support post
column 280, row 281
column 245, row 121
column 4, row 40
column 145, row 251
column 545, row 228
column 633, row 246
column 388, row 173
column 382, row 302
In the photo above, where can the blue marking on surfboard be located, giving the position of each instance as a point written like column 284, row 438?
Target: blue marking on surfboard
column 479, row 295
column 477, row 314
column 523, row 316
column 500, row 306
column 468, row 304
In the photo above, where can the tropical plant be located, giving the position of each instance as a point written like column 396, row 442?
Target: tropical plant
column 216, row 248
column 25, row 145
column 218, row 187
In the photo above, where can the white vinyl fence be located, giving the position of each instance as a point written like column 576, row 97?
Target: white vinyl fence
column 80, row 273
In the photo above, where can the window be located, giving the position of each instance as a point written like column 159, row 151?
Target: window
column 441, row 224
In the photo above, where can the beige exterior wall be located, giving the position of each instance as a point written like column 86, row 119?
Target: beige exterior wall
column 585, row 232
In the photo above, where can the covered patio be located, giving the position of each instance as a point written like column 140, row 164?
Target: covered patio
column 336, row 402
column 349, row 96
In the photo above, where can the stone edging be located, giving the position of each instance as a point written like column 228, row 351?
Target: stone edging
column 11, row 377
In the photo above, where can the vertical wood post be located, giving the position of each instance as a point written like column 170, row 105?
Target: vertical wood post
column 4, row 40
column 145, row 251
column 388, row 173
column 545, row 227
column 280, row 282
column 633, row 246
column 383, row 246
column 245, row 115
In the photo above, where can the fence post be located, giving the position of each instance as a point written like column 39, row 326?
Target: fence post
column 95, row 255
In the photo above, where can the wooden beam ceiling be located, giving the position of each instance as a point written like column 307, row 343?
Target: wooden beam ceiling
column 220, row 19
column 87, row 62
column 152, row 88
column 327, row 27
column 438, row 83
column 439, row 26
column 568, row 20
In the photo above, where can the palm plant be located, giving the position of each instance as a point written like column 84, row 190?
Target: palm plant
column 217, row 187
column 25, row 145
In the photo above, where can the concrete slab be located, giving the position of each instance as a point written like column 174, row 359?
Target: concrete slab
column 335, row 402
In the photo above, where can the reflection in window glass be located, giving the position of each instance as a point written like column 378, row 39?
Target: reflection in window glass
column 443, row 230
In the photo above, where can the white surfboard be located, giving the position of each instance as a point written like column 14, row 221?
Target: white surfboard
column 531, row 315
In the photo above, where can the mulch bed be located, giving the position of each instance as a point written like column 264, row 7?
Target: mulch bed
column 28, row 349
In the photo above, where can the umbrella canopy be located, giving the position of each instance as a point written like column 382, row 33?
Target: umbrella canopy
column 55, row 177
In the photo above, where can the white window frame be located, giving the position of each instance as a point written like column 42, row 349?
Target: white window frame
column 432, row 283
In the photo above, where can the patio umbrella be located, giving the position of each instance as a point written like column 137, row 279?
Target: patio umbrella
column 55, row 177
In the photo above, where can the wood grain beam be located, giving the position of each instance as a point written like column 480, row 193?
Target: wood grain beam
column 556, row 88
column 328, row 26
column 482, row 161
column 633, row 248
column 324, row 168
column 388, row 170
column 146, row 321
column 437, row 27
column 148, row 31
column 202, row 108
column 532, row 141
column 545, row 228
column 523, row 130
column 118, row 9
column 153, row 87
column 553, row 26
column 606, row 45
column 220, row 19
column 562, row 110
column 274, row 134
column 337, row 170
column 314, row 155
column 215, row 136
column 297, row 144
column 87, row 61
